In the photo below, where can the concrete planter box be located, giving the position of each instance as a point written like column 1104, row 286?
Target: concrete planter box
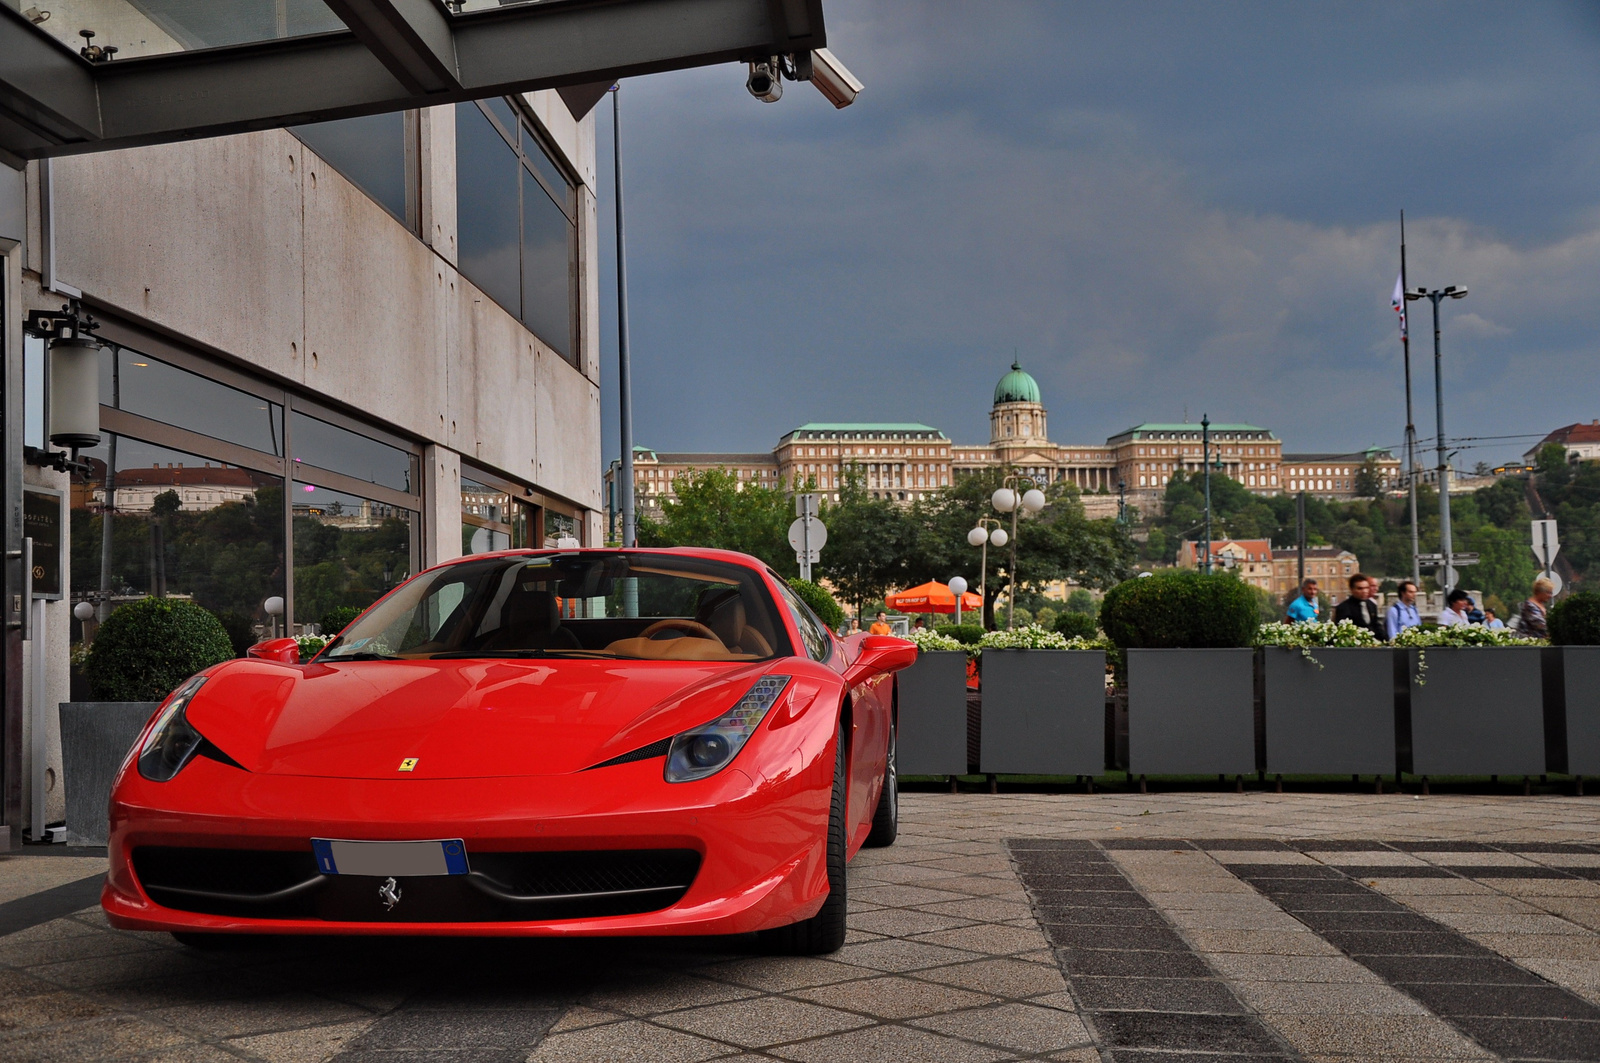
column 1336, row 719
column 1478, row 711
column 95, row 736
column 1191, row 712
column 932, row 736
column 1044, row 712
column 1577, row 707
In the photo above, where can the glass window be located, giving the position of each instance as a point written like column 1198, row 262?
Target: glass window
column 152, row 27
column 517, row 233
column 138, row 383
column 327, row 446
column 491, row 519
column 559, row 526
column 348, row 550
column 638, row 605
column 812, row 630
column 487, row 212
column 547, row 268
column 181, row 525
column 371, row 152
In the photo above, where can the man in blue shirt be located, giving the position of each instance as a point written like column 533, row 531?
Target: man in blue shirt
column 1306, row 607
column 1403, row 613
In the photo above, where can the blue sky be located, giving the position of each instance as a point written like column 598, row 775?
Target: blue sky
column 1160, row 206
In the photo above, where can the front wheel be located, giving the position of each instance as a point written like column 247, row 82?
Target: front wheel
column 823, row 932
column 886, row 821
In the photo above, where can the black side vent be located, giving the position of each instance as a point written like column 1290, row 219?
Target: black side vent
column 654, row 749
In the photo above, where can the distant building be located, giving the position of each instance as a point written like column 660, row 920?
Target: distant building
column 1330, row 566
column 1250, row 558
column 198, row 487
column 1334, row 476
column 1582, row 442
column 656, row 472
column 902, row 462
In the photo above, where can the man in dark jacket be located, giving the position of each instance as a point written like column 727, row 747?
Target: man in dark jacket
column 1359, row 608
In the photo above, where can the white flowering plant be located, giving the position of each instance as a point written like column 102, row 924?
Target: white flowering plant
column 1031, row 637
column 1343, row 634
column 932, row 642
column 311, row 645
column 1417, row 638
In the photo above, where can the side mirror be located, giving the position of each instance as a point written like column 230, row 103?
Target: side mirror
column 284, row 651
column 880, row 654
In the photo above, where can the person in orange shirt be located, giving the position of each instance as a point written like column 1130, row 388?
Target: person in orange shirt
column 881, row 626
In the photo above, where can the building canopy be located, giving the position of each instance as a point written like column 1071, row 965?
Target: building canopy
column 154, row 71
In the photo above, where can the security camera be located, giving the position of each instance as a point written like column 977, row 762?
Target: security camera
column 832, row 79
column 765, row 82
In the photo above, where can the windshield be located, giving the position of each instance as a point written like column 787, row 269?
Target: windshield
column 640, row 606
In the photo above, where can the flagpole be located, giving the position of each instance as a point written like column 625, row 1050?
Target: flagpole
column 1411, row 427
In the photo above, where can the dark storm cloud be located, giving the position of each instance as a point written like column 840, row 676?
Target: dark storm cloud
column 1160, row 206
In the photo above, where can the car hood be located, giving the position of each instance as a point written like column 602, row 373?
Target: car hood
column 456, row 719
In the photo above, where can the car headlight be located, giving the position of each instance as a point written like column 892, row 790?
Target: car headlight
column 708, row 749
column 172, row 742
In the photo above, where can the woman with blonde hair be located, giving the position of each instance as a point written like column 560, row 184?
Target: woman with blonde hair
column 1533, row 610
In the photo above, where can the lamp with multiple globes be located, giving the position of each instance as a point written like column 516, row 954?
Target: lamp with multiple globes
column 1008, row 500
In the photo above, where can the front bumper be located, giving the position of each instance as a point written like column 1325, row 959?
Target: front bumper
column 759, row 838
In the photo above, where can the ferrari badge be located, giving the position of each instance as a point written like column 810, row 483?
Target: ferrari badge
column 389, row 893
column 408, row 763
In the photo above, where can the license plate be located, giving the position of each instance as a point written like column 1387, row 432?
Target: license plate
column 447, row 856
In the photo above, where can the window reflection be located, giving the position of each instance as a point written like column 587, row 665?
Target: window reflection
column 370, row 151
column 181, row 526
column 486, row 208
column 559, row 526
column 327, row 446
column 517, row 237
column 348, row 551
column 133, row 381
column 491, row 519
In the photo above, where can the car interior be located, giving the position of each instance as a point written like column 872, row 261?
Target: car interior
column 628, row 606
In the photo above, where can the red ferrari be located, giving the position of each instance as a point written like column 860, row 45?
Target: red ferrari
column 529, row 742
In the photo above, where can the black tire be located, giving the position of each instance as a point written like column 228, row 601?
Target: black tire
column 823, row 932
column 886, row 820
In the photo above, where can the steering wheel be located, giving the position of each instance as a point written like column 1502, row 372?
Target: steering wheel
column 693, row 627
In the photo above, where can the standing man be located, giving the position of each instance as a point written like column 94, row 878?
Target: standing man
column 1455, row 609
column 1359, row 608
column 1533, row 610
column 1403, row 613
column 881, row 626
column 1305, row 608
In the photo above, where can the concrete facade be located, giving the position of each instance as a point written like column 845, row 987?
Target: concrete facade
column 253, row 255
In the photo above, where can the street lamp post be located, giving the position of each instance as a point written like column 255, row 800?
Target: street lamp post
column 1122, row 501
column 1006, row 500
column 1447, row 575
column 983, row 535
column 624, row 361
column 958, row 587
column 1205, row 459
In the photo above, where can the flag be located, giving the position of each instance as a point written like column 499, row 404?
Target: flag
column 1398, row 300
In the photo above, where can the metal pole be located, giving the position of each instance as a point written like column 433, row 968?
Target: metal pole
column 1411, row 425
column 1205, row 455
column 1011, row 588
column 1447, row 575
column 983, row 576
column 37, row 724
column 624, row 370
column 1300, row 539
column 109, row 505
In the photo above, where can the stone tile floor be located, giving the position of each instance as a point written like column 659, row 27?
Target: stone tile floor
column 947, row 959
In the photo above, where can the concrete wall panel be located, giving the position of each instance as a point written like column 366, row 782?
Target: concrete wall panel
column 568, row 451
column 203, row 239
column 374, row 338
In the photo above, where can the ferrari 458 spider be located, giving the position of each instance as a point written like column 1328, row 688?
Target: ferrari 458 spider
column 528, row 742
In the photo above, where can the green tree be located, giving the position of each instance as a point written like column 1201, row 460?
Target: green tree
column 1369, row 479
column 869, row 543
column 714, row 508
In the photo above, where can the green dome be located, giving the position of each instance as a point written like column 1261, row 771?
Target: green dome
column 1016, row 386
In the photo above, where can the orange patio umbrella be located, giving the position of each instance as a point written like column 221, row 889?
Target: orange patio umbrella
column 931, row 598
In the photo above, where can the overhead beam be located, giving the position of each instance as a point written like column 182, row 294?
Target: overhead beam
column 411, row 38
column 552, row 45
column 44, row 88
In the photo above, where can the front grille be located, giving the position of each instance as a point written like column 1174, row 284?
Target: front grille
column 502, row 887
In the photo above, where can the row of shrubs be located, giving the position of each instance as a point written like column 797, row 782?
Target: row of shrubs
column 147, row 648
column 1184, row 609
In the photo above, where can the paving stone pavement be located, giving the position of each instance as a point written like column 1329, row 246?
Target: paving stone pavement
column 946, row 959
